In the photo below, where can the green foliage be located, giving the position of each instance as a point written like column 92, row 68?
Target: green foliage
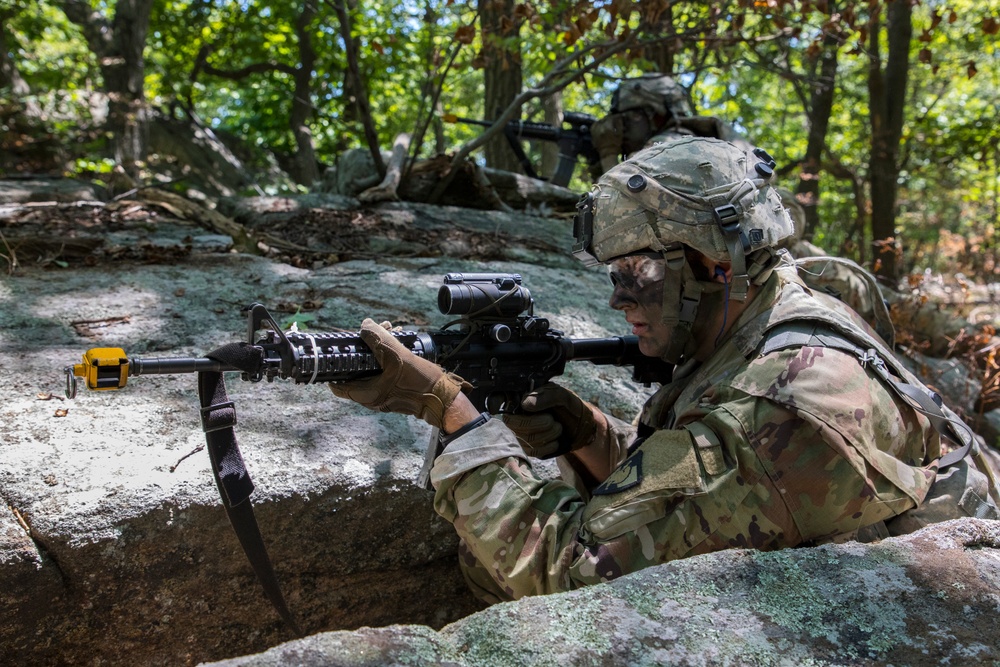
column 949, row 174
column 93, row 167
column 53, row 59
column 750, row 64
column 297, row 321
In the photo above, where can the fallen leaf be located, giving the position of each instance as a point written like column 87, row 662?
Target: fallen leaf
column 62, row 412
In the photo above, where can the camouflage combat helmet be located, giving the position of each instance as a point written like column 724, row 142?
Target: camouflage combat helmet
column 699, row 193
column 653, row 92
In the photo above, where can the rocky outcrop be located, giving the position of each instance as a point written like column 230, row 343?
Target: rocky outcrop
column 113, row 544
column 114, row 547
column 926, row 599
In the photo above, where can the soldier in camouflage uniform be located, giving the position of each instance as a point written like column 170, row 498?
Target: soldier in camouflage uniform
column 763, row 439
column 651, row 109
column 642, row 109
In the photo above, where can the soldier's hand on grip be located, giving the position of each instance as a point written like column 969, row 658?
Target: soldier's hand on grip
column 407, row 385
column 554, row 421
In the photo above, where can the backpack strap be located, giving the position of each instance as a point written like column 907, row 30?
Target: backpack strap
column 803, row 333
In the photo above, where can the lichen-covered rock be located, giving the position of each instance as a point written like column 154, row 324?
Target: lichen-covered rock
column 49, row 189
column 114, row 548
column 929, row 598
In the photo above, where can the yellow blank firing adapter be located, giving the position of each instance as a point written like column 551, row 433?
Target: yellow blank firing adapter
column 102, row 368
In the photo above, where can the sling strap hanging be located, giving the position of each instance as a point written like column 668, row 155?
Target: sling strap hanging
column 218, row 419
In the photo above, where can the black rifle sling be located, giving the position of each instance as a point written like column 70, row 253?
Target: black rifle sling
column 218, row 417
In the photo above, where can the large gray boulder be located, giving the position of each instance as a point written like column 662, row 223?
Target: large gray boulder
column 925, row 599
column 114, row 546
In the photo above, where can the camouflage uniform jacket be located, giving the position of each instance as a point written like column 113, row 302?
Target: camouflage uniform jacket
column 750, row 451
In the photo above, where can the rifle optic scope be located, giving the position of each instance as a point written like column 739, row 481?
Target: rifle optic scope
column 483, row 294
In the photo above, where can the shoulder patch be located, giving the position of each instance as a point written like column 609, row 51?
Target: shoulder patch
column 627, row 475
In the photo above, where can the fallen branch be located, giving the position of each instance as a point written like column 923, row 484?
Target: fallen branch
column 191, row 453
column 244, row 240
column 11, row 256
column 386, row 190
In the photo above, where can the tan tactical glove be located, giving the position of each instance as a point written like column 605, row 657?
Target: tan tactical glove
column 555, row 421
column 407, row 385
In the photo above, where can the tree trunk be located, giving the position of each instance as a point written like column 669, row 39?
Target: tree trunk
column 501, row 73
column 306, row 167
column 807, row 193
column 887, row 99
column 118, row 46
column 660, row 53
column 303, row 165
column 357, row 84
column 10, row 77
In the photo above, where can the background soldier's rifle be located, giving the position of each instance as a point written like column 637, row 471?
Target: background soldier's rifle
column 573, row 139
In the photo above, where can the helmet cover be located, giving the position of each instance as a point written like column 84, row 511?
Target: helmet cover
column 653, row 92
column 695, row 191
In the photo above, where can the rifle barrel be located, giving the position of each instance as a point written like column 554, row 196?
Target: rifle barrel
column 617, row 350
column 471, row 121
column 170, row 365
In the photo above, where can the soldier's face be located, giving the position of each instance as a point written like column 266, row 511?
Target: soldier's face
column 638, row 292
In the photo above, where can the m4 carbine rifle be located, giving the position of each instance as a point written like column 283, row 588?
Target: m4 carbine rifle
column 499, row 347
column 573, row 140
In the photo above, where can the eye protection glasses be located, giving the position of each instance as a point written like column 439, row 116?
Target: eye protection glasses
column 638, row 271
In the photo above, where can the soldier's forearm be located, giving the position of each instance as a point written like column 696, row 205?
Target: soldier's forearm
column 609, row 447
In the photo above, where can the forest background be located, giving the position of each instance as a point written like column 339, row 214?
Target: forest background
column 883, row 116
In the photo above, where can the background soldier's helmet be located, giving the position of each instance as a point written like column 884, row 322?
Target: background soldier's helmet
column 657, row 93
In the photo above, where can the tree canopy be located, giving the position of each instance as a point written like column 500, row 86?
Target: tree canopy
column 882, row 116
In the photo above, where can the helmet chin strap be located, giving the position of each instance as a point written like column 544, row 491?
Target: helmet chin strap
column 682, row 293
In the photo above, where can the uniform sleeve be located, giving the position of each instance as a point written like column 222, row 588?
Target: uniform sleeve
column 518, row 526
column 613, row 450
column 666, row 499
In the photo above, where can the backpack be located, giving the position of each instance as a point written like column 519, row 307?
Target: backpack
column 965, row 484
